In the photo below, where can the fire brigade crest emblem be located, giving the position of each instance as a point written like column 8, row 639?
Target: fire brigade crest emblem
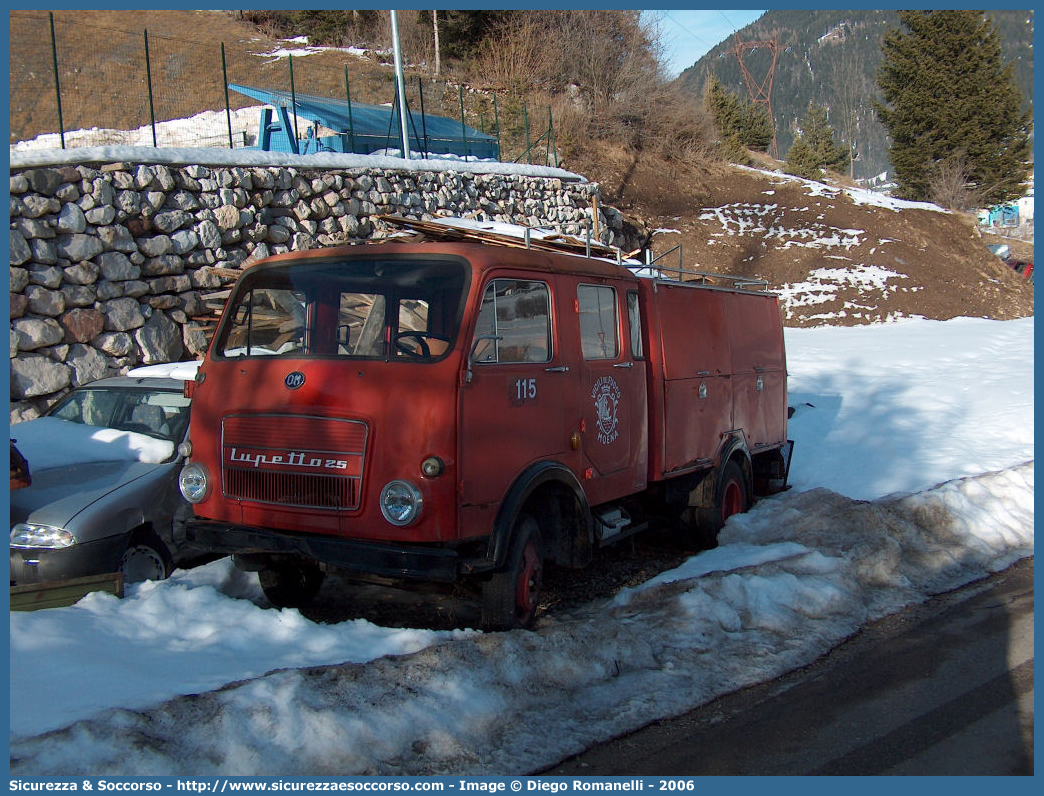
column 606, row 396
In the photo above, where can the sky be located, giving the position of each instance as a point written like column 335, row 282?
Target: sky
column 912, row 475
column 689, row 34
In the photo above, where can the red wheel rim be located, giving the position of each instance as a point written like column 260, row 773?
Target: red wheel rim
column 731, row 500
column 527, row 591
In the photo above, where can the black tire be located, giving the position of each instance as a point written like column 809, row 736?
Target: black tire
column 291, row 585
column 730, row 497
column 510, row 598
column 146, row 558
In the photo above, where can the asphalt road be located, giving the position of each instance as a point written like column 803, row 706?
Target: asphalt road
column 942, row 688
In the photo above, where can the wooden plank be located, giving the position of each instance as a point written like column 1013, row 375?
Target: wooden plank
column 60, row 593
column 556, row 242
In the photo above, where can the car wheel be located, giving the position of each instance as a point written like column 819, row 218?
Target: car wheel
column 146, row 558
column 510, row 598
column 291, row 585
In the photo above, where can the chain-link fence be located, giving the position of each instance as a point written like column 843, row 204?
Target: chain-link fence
column 153, row 90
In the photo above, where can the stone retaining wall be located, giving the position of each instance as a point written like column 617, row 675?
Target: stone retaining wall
column 110, row 264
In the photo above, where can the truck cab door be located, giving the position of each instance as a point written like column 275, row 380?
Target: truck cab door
column 516, row 400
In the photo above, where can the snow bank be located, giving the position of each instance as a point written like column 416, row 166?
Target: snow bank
column 793, row 578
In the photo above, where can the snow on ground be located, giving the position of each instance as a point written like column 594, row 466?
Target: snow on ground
column 202, row 140
column 912, row 475
column 206, row 129
column 300, row 48
column 861, row 196
column 212, row 156
column 823, row 284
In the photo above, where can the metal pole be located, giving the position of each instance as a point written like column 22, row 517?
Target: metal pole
column 554, row 140
column 293, row 99
column 399, row 85
column 525, row 118
column 348, row 95
column 57, row 87
column 228, row 108
column 550, row 133
column 413, row 124
column 148, row 76
column 496, row 121
column 463, row 128
column 424, row 120
column 391, row 119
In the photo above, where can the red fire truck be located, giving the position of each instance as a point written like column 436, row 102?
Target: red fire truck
column 442, row 411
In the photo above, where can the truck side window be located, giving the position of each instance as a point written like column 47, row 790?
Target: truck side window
column 598, row 321
column 634, row 322
column 518, row 312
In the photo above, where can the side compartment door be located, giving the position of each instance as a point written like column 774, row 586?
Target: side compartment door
column 697, row 370
column 614, row 416
column 756, row 340
column 517, row 393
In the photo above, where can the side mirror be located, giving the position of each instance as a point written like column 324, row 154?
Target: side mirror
column 474, row 348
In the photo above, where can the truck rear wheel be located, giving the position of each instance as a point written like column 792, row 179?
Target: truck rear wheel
column 510, row 598
column 730, row 497
column 291, row 585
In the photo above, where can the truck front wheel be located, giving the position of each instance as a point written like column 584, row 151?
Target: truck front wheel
column 291, row 584
column 510, row 598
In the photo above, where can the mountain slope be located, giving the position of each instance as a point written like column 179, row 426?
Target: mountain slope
column 836, row 255
column 831, row 58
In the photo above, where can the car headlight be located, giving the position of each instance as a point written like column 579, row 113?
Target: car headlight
column 194, row 483
column 27, row 534
column 401, row 503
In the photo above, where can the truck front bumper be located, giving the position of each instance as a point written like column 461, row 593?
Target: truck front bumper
column 414, row 562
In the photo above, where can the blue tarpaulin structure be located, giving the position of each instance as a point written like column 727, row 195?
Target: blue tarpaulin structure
column 359, row 128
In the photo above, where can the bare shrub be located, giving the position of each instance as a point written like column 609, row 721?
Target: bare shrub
column 516, row 58
column 572, row 122
column 680, row 130
column 950, row 184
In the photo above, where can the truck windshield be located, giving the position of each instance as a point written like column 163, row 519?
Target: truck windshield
column 377, row 308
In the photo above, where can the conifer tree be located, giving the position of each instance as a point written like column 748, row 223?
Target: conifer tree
column 951, row 105
column 814, row 148
column 740, row 124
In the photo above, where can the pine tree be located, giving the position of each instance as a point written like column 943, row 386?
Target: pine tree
column 814, row 148
column 950, row 104
column 741, row 125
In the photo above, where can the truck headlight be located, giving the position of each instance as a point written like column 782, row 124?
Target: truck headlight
column 194, row 483
column 401, row 503
column 27, row 534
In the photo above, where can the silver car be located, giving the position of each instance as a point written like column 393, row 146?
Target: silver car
column 104, row 496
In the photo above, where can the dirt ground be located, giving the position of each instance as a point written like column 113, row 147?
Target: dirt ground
column 832, row 259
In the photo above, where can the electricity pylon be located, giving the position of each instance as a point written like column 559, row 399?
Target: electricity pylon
column 760, row 92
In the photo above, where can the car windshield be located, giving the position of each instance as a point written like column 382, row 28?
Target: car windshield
column 376, row 308
column 162, row 414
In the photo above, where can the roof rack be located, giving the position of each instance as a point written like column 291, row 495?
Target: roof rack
column 705, row 277
column 702, row 277
column 561, row 243
column 542, row 241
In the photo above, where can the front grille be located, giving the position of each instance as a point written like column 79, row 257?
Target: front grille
column 293, row 460
column 292, row 489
